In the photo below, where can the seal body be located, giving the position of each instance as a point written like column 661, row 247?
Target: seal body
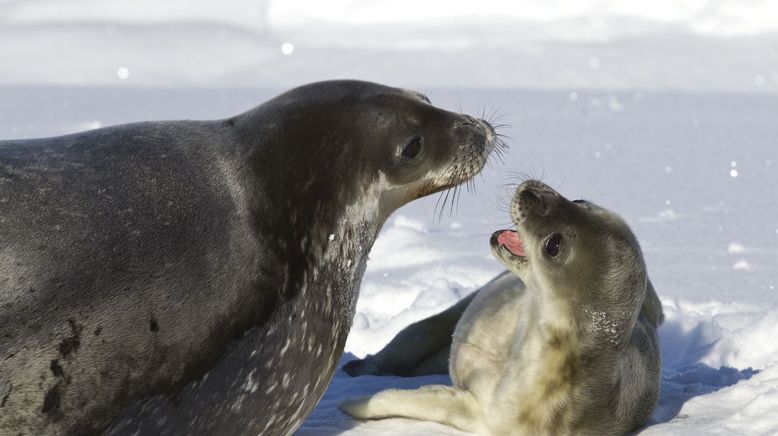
column 200, row 277
column 571, row 348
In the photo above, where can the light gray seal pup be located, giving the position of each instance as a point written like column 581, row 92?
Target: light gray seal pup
column 570, row 348
column 200, row 277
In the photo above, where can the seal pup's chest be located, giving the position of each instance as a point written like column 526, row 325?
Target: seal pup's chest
column 483, row 338
column 522, row 368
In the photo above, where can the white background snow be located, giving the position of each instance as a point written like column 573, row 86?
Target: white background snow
column 664, row 111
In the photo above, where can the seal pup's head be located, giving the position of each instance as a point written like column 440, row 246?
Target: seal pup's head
column 576, row 253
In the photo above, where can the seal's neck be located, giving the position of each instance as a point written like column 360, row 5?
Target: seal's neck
column 335, row 277
column 307, row 333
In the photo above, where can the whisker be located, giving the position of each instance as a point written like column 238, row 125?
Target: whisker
column 492, row 115
column 439, row 212
column 499, row 117
column 498, row 155
column 455, row 200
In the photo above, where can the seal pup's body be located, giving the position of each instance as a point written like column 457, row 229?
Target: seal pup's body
column 575, row 351
column 202, row 276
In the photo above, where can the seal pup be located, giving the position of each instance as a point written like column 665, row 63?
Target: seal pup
column 199, row 277
column 574, row 351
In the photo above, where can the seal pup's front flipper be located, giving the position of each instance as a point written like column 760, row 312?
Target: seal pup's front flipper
column 438, row 403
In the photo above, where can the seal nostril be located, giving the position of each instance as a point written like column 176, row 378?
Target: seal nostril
column 530, row 201
column 469, row 121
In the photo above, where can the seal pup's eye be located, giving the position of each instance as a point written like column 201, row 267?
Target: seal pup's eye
column 553, row 244
column 413, row 148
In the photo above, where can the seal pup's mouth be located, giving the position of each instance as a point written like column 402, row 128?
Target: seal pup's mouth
column 508, row 246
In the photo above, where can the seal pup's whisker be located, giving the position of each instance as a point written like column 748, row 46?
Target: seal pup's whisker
column 505, row 197
column 519, row 177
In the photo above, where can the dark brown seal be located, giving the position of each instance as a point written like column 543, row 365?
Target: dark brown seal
column 200, row 277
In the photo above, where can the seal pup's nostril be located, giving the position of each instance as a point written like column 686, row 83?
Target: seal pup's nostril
column 534, row 196
column 531, row 202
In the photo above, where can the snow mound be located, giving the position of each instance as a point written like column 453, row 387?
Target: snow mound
column 747, row 408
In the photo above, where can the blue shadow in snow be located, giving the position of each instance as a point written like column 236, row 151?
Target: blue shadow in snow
column 684, row 376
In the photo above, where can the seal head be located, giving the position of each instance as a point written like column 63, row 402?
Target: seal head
column 559, row 244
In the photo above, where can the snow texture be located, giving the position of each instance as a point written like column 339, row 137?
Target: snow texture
column 664, row 112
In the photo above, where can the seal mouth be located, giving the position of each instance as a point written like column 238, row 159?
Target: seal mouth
column 509, row 246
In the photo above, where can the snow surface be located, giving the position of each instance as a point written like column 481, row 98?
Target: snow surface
column 706, row 45
column 664, row 112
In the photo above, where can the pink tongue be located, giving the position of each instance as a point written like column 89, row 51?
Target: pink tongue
column 512, row 242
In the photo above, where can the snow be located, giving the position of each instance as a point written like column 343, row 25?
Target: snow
column 558, row 44
column 665, row 112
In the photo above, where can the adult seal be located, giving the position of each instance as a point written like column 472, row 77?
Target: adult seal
column 200, row 277
column 570, row 348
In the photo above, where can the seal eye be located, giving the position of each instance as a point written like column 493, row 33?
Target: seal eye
column 413, row 148
column 553, row 244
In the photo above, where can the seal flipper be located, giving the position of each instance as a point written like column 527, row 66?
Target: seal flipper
column 438, row 403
